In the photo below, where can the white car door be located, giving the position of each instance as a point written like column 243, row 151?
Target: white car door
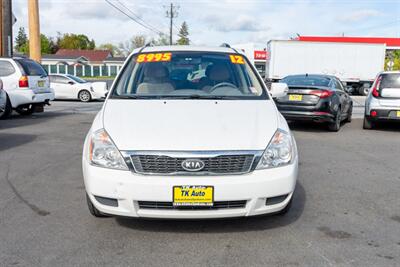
column 66, row 88
column 56, row 86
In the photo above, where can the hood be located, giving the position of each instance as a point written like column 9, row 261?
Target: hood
column 187, row 125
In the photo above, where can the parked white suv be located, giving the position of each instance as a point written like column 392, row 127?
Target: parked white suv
column 189, row 132
column 26, row 84
column 383, row 101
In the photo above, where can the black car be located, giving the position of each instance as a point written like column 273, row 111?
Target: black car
column 319, row 98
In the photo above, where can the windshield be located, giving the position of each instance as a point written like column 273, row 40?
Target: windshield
column 181, row 75
column 306, row 80
column 76, row 79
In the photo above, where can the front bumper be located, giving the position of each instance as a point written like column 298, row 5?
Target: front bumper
column 129, row 188
column 99, row 94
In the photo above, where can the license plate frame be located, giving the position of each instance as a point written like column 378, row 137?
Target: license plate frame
column 297, row 98
column 188, row 199
column 40, row 83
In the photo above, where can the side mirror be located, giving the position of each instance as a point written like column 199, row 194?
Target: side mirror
column 279, row 90
column 71, row 83
column 348, row 89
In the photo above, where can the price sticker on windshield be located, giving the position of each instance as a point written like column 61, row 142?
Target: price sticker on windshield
column 237, row 59
column 154, row 57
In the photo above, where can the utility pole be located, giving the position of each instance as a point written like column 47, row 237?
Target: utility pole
column 171, row 14
column 34, row 30
column 6, row 28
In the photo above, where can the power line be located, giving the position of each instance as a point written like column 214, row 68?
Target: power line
column 133, row 18
column 394, row 22
column 138, row 17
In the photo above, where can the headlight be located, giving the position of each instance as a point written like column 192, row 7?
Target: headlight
column 280, row 151
column 104, row 153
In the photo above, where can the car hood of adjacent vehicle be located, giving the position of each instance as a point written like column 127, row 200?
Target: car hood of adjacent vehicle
column 190, row 125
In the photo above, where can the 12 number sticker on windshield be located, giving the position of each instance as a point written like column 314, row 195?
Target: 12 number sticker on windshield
column 236, row 59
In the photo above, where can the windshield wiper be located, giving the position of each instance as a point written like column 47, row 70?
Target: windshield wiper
column 128, row 97
column 196, row 96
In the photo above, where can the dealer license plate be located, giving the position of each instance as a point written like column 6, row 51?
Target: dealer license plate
column 193, row 195
column 40, row 83
column 295, row 97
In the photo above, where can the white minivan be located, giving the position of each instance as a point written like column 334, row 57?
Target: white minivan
column 189, row 132
column 26, row 84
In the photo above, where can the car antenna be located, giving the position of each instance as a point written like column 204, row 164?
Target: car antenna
column 228, row 46
column 143, row 47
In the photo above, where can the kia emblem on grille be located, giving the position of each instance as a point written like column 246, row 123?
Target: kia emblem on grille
column 192, row 165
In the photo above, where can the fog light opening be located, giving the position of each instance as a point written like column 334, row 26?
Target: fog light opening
column 112, row 202
column 275, row 200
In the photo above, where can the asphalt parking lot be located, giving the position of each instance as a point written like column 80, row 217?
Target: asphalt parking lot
column 346, row 208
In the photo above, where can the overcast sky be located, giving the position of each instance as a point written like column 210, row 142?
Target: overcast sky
column 214, row 22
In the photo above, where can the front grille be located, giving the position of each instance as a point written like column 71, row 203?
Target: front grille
column 161, row 164
column 236, row 204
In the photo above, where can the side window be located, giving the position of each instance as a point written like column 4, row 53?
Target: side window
column 58, row 79
column 6, row 68
column 338, row 85
column 61, row 79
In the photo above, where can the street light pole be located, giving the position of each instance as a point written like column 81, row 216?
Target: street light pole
column 34, row 30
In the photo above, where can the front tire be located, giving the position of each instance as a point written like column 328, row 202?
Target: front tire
column 7, row 110
column 368, row 124
column 84, row 96
column 92, row 209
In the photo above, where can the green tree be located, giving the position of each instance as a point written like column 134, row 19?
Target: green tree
column 113, row 48
column 21, row 40
column 45, row 45
column 75, row 41
column 183, row 34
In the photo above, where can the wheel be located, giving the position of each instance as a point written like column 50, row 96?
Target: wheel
column 84, row 96
column 7, row 109
column 335, row 126
column 349, row 114
column 92, row 209
column 363, row 90
column 368, row 124
column 286, row 209
column 25, row 110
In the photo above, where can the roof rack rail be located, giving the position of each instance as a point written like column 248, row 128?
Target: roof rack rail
column 225, row 45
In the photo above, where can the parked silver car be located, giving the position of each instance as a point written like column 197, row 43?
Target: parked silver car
column 383, row 101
